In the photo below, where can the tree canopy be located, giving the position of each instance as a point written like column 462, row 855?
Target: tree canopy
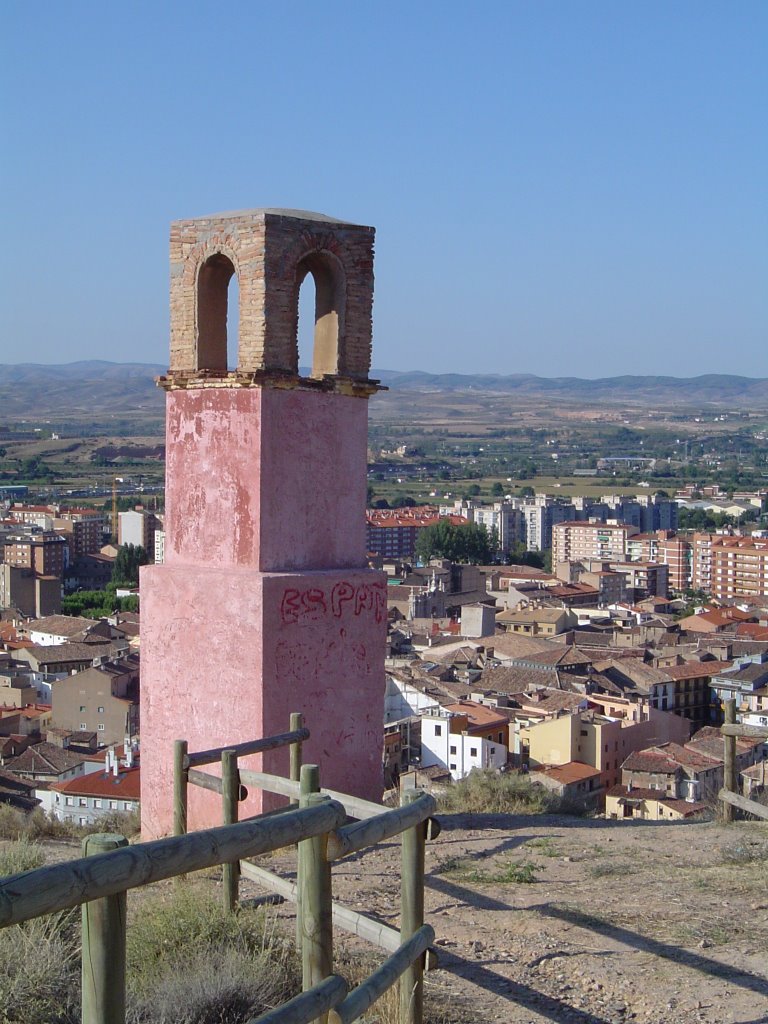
column 126, row 568
column 469, row 542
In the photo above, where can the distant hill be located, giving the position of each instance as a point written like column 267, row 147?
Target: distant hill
column 96, row 389
column 718, row 389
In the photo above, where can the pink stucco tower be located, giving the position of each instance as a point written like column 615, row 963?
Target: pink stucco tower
column 264, row 604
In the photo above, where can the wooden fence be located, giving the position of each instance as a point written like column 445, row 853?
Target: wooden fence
column 317, row 820
column 729, row 794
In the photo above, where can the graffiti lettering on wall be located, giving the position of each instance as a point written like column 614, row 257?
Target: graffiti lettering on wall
column 313, row 604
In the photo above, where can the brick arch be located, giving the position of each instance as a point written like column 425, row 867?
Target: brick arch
column 330, row 279
column 207, row 272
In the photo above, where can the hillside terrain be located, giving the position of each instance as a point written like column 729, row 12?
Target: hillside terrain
column 645, row 922
column 93, row 389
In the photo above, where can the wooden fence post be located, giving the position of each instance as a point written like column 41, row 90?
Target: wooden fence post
column 412, row 914
column 230, row 790
column 103, row 941
column 315, row 894
column 309, row 776
column 729, row 759
column 179, row 788
column 297, row 722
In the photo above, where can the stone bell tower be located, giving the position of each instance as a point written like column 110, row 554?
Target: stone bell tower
column 264, row 604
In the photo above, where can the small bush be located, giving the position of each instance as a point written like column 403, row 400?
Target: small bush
column 20, row 855
column 38, row 825
column 489, row 792
column 191, row 963
column 13, row 823
column 40, row 979
column 509, row 871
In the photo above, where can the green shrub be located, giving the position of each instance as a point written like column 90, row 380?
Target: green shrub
column 489, row 792
column 191, row 963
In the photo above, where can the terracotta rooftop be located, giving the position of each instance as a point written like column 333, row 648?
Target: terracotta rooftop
column 45, row 758
column 572, row 771
column 126, row 786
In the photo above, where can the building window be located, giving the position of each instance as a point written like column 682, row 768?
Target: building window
column 473, row 751
column 452, row 767
column 100, row 727
column 83, row 725
column 83, row 821
column 453, row 749
column 97, row 803
column 113, row 805
column 100, row 710
column 438, row 730
column 69, row 801
column 82, row 802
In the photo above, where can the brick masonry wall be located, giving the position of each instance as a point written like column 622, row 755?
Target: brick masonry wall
column 270, row 251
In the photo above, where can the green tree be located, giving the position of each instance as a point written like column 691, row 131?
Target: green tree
column 126, row 568
column 497, row 489
column 465, row 543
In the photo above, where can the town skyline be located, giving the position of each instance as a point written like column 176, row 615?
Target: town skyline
column 556, row 191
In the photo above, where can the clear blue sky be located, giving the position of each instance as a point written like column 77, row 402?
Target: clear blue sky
column 558, row 187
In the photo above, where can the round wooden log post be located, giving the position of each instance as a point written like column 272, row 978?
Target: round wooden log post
column 103, row 940
column 179, row 788
column 297, row 722
column 230, row 790
column 412, row 914
column 315, row 889
column 729, row 759
column 309, row 780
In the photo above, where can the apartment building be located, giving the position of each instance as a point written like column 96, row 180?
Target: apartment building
column 503, row 517
column 577, row 541
column 666, row 548
column 138, row 527
column 540, row 517
column 739, row 567
column 45, row 553
column 392, row 533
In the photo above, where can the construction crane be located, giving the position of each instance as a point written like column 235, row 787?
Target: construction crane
column 114, row 509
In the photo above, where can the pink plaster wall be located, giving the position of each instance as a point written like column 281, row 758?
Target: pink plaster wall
column 228, row 653
column 266, row 478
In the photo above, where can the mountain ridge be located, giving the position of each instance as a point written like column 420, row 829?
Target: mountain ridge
column 85, row 386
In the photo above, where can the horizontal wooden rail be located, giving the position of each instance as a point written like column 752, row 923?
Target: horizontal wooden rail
column 241, row 749
column 737, row 729
column 352, row 921
column 66, row 885
column 743, row 803
column 212, row 782
column 308, row 1006
column 355, row 805
column 352, row 838
column 271, row 783
column 376, row 984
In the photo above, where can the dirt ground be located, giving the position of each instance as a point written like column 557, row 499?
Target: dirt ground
column 542, row 919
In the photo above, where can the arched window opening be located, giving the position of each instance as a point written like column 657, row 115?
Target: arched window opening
column 212, row 301
column 233, row 323
column 327, row 317
column 305, row 334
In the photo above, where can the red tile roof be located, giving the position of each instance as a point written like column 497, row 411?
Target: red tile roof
column 126, row 786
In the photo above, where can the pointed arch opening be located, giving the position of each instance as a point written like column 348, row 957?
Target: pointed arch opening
column 329, row 307
column 213, row 290
column 305, row 333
